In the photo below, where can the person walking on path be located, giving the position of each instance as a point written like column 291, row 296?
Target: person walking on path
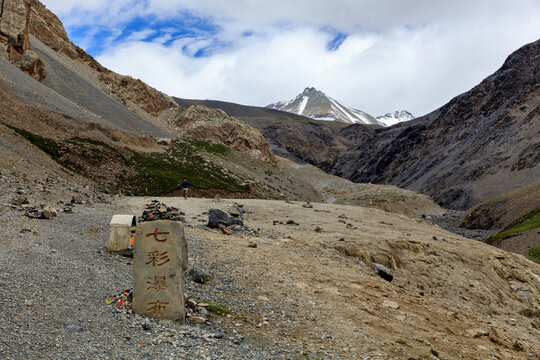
column 185, row 187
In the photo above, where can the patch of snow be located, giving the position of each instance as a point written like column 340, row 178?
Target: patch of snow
column 395, row 118
column 342, row 110
column 303, row 105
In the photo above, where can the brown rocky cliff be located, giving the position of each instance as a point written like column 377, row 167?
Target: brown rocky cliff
column 14, row 38
column 132, row 93
column 204, row 123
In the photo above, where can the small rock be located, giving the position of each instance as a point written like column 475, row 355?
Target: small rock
column 49, row 212
column 197, row 320
column 224, row 229
column 318, row 229
column 28, row 303
column 202, row 311
column 192, row 303
column 252, row 245
column 308, row 205
column 20, row 201
column 236, row 227
column 197, row 276
column 476, row 333
column 73, row 327
column 383, row 272
column 390, row 304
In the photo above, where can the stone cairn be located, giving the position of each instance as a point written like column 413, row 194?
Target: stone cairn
column 156, row 210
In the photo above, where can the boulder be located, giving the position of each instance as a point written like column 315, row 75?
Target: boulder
column 32, row 65
column 216, row 217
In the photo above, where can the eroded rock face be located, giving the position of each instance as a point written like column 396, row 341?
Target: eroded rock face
column 14, row 17
column 204, row 123
column 14, row 38
column 32, row 65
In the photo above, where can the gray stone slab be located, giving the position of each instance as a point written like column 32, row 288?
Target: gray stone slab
column 159, row 262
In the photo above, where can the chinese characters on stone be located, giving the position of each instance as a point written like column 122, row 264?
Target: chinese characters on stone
column 158, row 282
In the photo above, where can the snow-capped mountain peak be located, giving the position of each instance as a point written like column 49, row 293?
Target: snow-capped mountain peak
column 317, row 105
column 394, row 118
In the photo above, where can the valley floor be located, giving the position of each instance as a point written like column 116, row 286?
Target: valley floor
column 301, row 293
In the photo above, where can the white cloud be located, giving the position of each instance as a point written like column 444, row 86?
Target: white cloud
column 412, row 55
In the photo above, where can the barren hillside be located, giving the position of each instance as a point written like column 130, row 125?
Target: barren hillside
column 482, row 144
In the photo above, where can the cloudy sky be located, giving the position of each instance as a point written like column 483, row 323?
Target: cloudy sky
column 377, row 56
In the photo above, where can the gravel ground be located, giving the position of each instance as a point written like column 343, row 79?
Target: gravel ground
column 55, row 280
column 451, row 221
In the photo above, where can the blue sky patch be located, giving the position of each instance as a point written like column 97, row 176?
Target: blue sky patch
column 337, row 40
column 96, row 39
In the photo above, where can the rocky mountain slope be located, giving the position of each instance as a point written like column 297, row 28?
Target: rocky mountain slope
column 294, row 137
column 481, row 144
column 317, row 105
column 516, row 218
column 103, row 126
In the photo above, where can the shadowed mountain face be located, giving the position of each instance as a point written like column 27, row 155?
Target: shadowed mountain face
column 483, row 143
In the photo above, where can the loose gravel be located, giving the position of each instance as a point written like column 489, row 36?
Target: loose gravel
column 451, row 221
column 56, row 278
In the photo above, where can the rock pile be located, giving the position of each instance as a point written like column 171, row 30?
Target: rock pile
column 196, row 311
column 156, row 210
column 40, row 212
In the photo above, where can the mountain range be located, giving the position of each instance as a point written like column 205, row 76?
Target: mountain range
column 481, row 144
column 315, row 104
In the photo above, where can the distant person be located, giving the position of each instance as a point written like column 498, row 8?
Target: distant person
column 185, row 187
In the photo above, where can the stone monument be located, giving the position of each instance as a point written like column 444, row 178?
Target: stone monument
column 159, row 263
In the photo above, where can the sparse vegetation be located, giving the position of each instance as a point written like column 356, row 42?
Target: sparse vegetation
column 48, row 146
column 161, row 173
column 152, row 173
column 401, row 341
column 532, row 221
column 534, row 253
column 379, row 197
column 517, row 346
column 218, row 308
column 212, row 148
column 530, row 313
